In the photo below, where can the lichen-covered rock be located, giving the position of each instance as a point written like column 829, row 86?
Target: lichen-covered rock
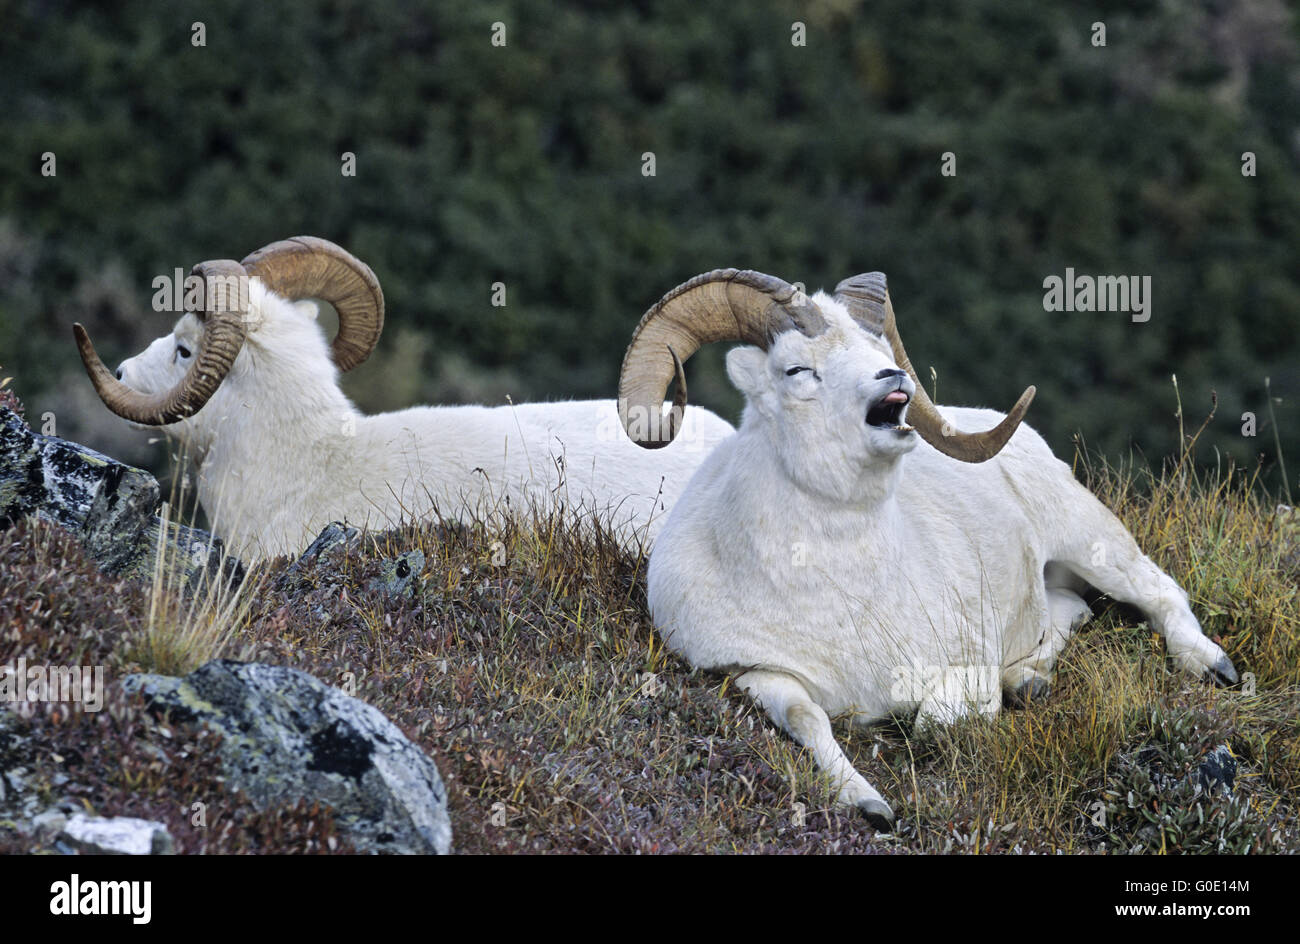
column 288, row 737
column 48, row 477
column 111, row 506
column 19, row 801
column 400, row 576
column 116, row 835
column 335, row 537
column 334, row 541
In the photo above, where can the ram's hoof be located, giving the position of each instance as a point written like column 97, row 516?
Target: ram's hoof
column 878, row 815
column 1223, row 673
column 1035, row 689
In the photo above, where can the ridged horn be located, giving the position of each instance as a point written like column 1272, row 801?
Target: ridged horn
column 866, row 296
column 307, row 266
column 722, row 305
column 224, row 329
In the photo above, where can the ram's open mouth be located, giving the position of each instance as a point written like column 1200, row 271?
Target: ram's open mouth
column 887, row 412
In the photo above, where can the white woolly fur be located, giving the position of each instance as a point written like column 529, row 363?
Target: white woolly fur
column 281, row 451
column 841, row 568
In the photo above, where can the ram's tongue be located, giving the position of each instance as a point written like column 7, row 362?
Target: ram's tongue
column 897, row 396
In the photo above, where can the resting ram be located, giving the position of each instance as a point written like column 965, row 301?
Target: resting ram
column 841, row 564
column 251, row 387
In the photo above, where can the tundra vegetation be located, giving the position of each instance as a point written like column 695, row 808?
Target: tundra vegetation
column 529, row 671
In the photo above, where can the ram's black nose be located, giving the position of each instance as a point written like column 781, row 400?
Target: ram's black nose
column 889, row 372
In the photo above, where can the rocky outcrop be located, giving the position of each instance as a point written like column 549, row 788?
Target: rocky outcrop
column 287, row 737
column 112, row 507
column 399, row 577
column 115, row 835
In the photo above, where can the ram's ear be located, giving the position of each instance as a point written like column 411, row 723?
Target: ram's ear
column 309, row 307
column 747, row 368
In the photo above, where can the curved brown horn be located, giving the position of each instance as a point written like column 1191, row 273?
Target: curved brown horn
column 306, row 266
column 722, row 305
column 869, row 303
column 223, row 335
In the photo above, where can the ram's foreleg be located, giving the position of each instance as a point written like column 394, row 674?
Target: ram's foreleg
column 789, row 705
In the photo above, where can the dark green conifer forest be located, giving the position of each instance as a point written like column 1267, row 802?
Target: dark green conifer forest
column 1173, row 151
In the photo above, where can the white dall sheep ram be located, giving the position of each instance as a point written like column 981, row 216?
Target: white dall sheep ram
column 840, row 565
column 251, row 386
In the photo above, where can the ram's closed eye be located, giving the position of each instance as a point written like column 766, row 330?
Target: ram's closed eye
column 794, row 370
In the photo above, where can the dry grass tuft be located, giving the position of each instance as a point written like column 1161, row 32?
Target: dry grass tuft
column 186, row 625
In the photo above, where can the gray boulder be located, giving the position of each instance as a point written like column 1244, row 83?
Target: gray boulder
column 289, row 737
column 112, row 507
column 323, row 555
column 399, row 576
column 333, row 541
column 116, row 835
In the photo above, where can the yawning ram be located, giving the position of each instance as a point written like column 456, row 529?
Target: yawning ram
column 850, row 551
